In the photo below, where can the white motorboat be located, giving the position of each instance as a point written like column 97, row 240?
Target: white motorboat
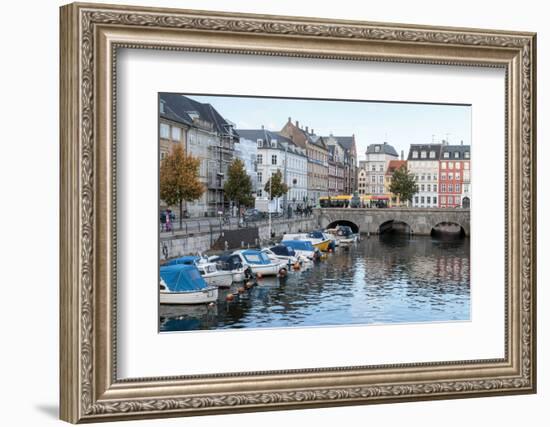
column 208, row 270
column 303, row 248
column 233, row 264
column 183, row 284
column 260, row 263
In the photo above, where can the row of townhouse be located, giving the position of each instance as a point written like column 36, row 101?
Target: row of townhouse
column 441, row 171
column 312, row 165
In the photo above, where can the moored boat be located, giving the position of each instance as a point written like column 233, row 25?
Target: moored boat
column 233, row 264
column 183, row 284
column 317, row 239
column 303, row 248
column 284, row 253
column 260, row 263
column 208, row 270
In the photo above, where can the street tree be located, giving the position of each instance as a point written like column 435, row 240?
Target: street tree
column 275, row 185
column 403, row 184
column 179, row 179
column 238, row 187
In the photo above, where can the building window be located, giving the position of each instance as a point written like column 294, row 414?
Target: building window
column 466, row 154
column 457, row 165
column 259, row 177
column 432, row 154
column 260, row 143
column 422, row 200
column 373, row 179
column 443, row 176
column 381, row 179
column 457, row 176
column 422, row 154
column 446, row 155
column 450, row 176
column 457, row 188
column 176, row 133
column 422, row 187
column 381, row 168
column 273, row 159
column 434, row 200
column 457, row 155
column 457, row 200
column 443, row 188
column 415, row 156
column 451, row 165
column 416, row 199
column 259, row 159
column 164, row 131
column 466, row 165
column 428, row 177
column 162, row 154
column 373, row 168
column 259, row 193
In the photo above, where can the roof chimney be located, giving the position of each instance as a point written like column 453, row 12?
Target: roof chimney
column 402, row 154
column 289, row 119
column 307, row 129
column 312, row 131
column 461, row 142
column 297, row 124
column 262, row 127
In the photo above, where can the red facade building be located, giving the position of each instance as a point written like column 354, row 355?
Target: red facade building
column 454, row 176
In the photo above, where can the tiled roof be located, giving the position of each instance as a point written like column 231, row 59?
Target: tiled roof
column 179, row 108
column 384, row 148
column 427, row 148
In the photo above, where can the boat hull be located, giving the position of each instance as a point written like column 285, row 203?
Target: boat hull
column 267, row 269
column 221, row 279
column 203, row 296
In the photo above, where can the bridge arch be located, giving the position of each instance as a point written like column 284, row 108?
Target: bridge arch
column 399, row 226
column 354, row 227
column 449, row 228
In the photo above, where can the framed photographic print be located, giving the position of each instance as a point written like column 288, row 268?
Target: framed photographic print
column 269, row 212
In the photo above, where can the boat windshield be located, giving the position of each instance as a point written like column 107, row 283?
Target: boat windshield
column 256, row 257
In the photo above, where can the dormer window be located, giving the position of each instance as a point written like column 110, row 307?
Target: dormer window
column 446, row 155
column 161, row 107
column 415, row 154
column 273, row 143
column 432, row 154
column 260, row 143
column 457, row 154
column 423, row 154
column 377, row 149
column 466, row 154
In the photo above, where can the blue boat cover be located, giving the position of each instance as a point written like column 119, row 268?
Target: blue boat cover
column 188, row 260
column 301, row 245
column 182, row 278
column 256, row 257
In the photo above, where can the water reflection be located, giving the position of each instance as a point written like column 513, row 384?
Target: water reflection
column 384, row 279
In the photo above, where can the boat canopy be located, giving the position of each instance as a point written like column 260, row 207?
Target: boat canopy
column 187, row 260
column 255, row 257
column 300, row 245
column 182, row 278
column 344, row 230
column 283, row 250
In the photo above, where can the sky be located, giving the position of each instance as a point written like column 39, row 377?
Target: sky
column 399, row 124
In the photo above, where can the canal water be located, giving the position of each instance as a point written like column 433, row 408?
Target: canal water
column 381, row 280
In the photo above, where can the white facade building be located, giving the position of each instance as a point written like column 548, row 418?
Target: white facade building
column 423, row 163
column 275, row 152
column 375, row 165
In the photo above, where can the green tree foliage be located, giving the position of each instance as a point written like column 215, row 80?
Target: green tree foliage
column 403, row 184
column 179, row 179
column 278, row 187
column 238, row 186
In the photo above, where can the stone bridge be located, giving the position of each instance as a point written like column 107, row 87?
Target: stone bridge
column 420, row 220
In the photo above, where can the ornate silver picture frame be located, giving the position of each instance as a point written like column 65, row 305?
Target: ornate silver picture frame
column 91, row 37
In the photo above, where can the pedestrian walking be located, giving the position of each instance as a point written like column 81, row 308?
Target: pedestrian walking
column 162, row 220
column 168, row 220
